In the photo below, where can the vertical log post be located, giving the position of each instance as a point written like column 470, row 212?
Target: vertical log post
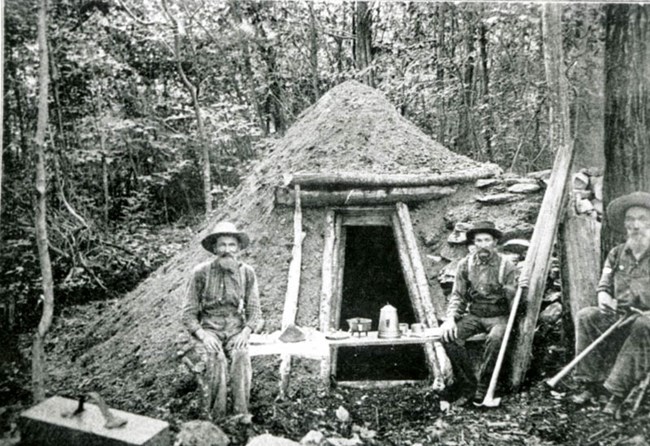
column 293, row 290
column 326, row 289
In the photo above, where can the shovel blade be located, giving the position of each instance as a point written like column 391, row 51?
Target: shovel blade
column 491, row 402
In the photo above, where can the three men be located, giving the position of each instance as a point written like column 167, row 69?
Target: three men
column 221, row 310
column 480, row 300
column 623, row 359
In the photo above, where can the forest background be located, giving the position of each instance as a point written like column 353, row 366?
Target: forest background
column 157, row 109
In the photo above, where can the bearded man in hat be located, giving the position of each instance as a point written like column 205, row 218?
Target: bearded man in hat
column 222, row 309
column 623, row 359
column 483, row 290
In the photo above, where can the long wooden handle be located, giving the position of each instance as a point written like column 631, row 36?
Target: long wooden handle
column 567, row 368
column 504, row 345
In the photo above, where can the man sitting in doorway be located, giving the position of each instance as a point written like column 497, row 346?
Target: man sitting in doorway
column 622, row 359
column 480, row 300
column 222, row 309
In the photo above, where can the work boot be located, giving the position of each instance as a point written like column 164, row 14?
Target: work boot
column 613, row 405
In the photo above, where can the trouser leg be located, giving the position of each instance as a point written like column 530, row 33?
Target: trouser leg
column 241, row 376
column 496, row 328
column 216, row 383
column 632, row 363
column 464, row 376
column 591, row 324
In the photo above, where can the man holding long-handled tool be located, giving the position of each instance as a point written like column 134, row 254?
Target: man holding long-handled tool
column 621, row 359
column 480, row 302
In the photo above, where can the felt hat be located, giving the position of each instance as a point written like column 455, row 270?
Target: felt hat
column 483, row 227
column 225, row 228
column 617, row 208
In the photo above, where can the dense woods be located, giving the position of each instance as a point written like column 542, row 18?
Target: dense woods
column 157, row 107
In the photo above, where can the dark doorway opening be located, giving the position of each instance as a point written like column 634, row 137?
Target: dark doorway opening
column 372, row 278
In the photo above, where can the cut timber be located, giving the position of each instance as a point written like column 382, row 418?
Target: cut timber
column 293, row 290
column 44, row 424
column 541, row 246
column 414, row 293
column 320, row 198
column 580, row 261
column 326, row 273
column 353, row 179
column 436, row 351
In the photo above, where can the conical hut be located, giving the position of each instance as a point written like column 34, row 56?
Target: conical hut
column 379, row 201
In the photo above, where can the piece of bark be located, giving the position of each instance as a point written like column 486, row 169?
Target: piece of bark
column 498, row 198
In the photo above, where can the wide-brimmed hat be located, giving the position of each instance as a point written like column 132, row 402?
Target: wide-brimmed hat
column 617, row 208
column 225, row 228
column 483, row 227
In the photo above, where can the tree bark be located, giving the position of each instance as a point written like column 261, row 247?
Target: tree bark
column 363, row 42
column 489, row 128
column 38, row 352
column 627, row 107
column 2, row 95
column 440, row 72
column 313, row 53
column 193, row 91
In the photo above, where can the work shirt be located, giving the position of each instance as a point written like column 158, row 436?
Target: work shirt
column 479, row 290
column 627, row 279
column 214, row 292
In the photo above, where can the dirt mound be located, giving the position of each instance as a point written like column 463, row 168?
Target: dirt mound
column 128, row 351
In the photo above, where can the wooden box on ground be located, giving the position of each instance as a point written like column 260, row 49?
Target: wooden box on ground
column 44, row 424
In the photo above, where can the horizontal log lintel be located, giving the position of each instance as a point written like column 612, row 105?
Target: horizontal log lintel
column 352, row 197
column 369, row 180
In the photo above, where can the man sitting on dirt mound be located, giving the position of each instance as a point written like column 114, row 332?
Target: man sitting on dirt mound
column 622, row 359
column 485, row 286
column 222, row 309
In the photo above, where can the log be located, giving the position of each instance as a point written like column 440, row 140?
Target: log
column 435, row 350
column 326, row 273
column 293, row 289
column 355, row 179
column 580, row 261
column 351, row 197
column 539, row 254
column 414, row 292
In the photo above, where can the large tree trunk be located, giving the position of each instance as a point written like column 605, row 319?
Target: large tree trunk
column 627, row 106
column 363, row 42
column 313, row 51
column 38, row 352
column 2, row 95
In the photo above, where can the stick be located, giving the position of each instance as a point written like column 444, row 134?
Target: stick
column 562, row 373
column 639, row 399
column 489, row 400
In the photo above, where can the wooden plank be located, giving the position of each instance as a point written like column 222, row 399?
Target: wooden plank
column 366, row 220
column 580, row 261
column 542, row 240
column 352, row 197
column 327, row 277
column 355, row 179
column 44, row 424
column 372, row 339
column 414, row 293
column 377, row 384
column 293, row 289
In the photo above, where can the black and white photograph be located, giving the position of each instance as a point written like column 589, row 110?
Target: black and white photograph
column 324, row 223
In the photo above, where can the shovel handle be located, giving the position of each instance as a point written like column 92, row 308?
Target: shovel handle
column 567, row 368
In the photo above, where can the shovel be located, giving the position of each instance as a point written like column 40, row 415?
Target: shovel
column 489, row 400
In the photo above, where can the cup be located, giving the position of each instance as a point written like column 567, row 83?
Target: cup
column 417, row 327
column 403, row 328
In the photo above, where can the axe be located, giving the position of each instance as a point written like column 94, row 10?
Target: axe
column 567, row 368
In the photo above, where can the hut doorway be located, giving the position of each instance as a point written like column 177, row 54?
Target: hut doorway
column 372, row 278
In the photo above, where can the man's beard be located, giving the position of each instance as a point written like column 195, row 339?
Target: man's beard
column 639, row 240
column 228, row 262
column 484, row 253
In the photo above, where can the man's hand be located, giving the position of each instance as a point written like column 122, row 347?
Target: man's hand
column 606, row 303
column 211, row 342
column 523, row 282
column 240, row 340
column 449, row 330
